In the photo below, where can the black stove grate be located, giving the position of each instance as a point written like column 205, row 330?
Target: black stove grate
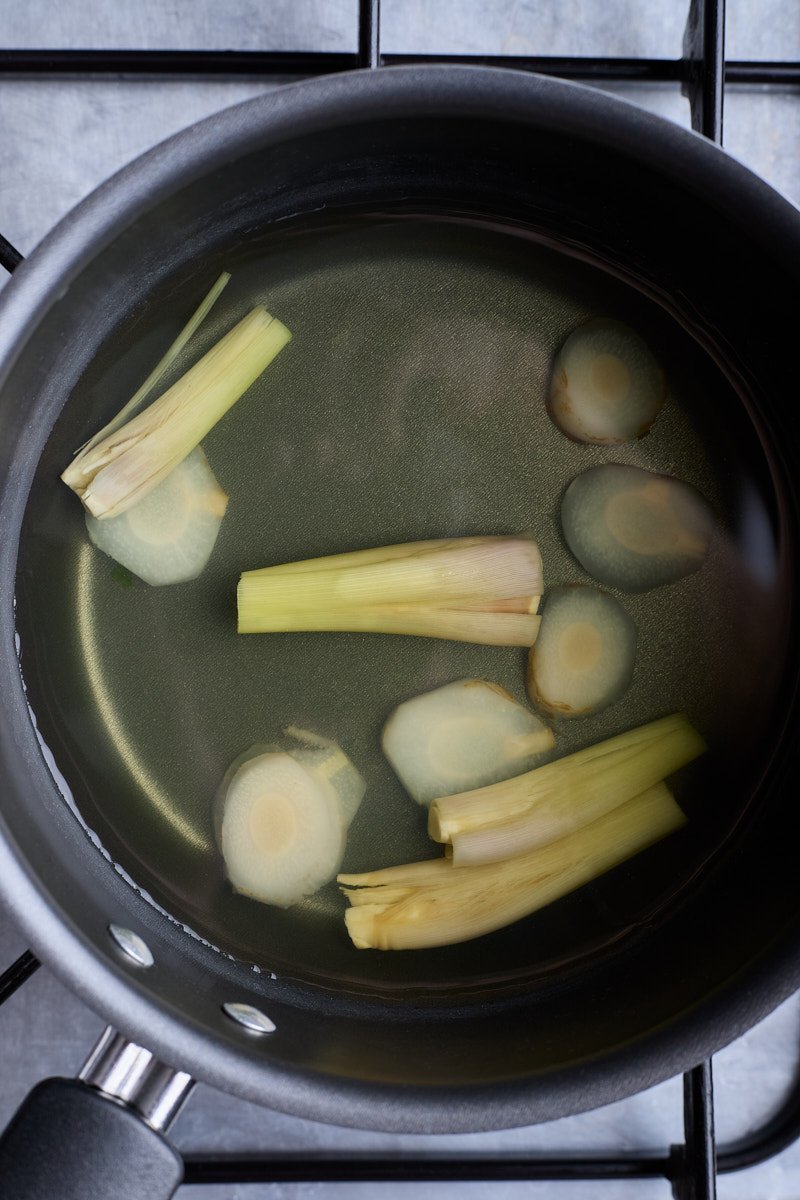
column 703, row 72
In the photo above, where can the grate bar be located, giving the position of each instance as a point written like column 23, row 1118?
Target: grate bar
column 17, row 974
column 649, row 70
column 763, row 1143
column 380, row 1169
column 10, row 257
column 369, row 33
column 694, row 1175
column 704, row 51
column 779, row 74
column 189, row 63
column 691, row 1166
column 255, row 63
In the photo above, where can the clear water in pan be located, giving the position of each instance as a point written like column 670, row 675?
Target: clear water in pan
column 410, row 404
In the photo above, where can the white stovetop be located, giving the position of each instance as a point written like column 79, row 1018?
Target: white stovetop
column 58, row 139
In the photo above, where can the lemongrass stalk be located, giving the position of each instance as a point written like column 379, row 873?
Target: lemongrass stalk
column 483, row 807
column 376, row 554
column 485, row 629
column 475, row 573
column 564, row 795
column 359, row 558
column 482, row 810
column 432, row 870
column 124, row 467
column 468, row 902
column 162, row 366
column 482, row 590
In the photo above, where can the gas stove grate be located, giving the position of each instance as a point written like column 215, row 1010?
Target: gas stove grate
column 703, row 72
column 691, row 1168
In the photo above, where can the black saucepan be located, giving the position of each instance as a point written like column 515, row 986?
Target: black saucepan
column 104, row 813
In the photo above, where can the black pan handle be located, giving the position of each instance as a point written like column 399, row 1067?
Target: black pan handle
column 68, row 1140
column 98, row 1137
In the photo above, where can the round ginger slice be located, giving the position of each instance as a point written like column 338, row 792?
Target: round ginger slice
column 633, row 529
column 584, row 656
column 606, row 387
column 282, row 835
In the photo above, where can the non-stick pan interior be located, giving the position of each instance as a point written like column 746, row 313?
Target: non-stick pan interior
column 410, row 404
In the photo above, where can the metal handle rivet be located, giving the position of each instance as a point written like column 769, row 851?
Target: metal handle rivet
column 250, row 1018
column 131, row 945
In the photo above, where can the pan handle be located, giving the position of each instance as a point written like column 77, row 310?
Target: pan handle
column 101, row 1135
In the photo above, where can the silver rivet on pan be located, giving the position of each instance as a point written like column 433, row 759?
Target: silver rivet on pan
column 251, row 1018
column 131, row 945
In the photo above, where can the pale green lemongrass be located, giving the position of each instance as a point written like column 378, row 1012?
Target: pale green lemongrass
column 120, row 470
column 484, row 590
column 477, row 573
column 360, row 558
column 443, row 904
column 514, row 817
column 485, row 629
column 162, row 366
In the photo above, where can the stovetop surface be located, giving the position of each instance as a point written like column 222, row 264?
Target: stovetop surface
column 58, row 139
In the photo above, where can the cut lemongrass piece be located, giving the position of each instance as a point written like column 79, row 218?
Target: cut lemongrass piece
column 432, row 870
column 461, row 736
column 486, row 629
column 122, row 468
column 471, row 589
column 164, row 363
column 444, row 904
column 635, row 530
column 282, row 835
column 169, row 535
column 606, row 387
column 510, row 818
column 484, row 807
column 360, row 558
column 583, row 658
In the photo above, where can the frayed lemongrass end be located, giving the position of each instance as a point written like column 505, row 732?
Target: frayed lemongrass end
column 162, row 366
column 120, row 470
column 462, row 903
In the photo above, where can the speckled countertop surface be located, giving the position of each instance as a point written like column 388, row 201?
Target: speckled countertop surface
column 58, row 139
